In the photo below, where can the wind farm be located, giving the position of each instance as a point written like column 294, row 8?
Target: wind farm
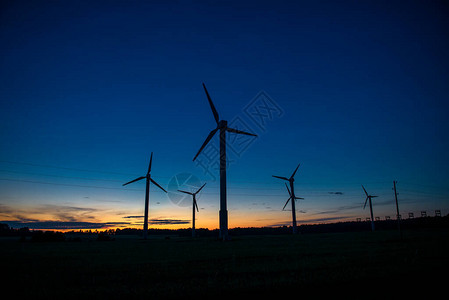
column 115, row 116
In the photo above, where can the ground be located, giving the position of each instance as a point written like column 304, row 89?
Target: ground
column 359, row 264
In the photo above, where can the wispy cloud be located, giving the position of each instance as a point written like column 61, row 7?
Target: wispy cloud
column 57, row 225
column 338, row 209
column 167, row 221
column 52, row 216
column 310, row 221
column 66, row 213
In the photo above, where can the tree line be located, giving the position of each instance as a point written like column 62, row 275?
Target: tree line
column 104, row 235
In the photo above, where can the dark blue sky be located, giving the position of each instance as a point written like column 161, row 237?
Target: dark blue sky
column 361, row 86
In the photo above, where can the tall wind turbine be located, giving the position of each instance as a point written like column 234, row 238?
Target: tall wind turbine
column 147, row 195
column 291, row 180
column 368, row 197
column 222, row 125
column 194, row 204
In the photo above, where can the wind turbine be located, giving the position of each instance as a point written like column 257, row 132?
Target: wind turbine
column 292, row 195
column 222, row 125
column 147, row 195
column 194, row 204
column 368, row 197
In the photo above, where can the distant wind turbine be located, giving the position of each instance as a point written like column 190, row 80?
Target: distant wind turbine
column 222, row 125
column 368, row 197
column 147, row 195
column 291, row 192
column 296, row 198
column 194, row 204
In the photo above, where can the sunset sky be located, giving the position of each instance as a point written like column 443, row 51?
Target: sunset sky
column 355, row 91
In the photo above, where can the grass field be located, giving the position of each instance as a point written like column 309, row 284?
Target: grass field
column 371, row 263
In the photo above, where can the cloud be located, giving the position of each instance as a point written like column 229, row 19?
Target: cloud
column 338, row 209
column 320, row 220
column 309, row 221
column 54, row 217
column 133, row 217
column 168, row 221
column 17, row 214
column 66, row 213
column 57, row 225
column 336, row 193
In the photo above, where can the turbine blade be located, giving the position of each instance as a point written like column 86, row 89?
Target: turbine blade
column 185, row 192
column 286, row 203
column 137, row 179
column 200, row 188
column 365, row 202
column 374, row 196
column 151, row 179
column 365, row 190
column 214, row 111
column 211, row 134
column 239, row 131
column 295, row 171
column 196, row 205
column 299, row 198
column 288, row 189
column 280, row 177
column 149, row 166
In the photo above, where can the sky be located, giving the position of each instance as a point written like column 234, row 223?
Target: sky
column 356, row 92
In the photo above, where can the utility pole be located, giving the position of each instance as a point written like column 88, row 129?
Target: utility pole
column 398, row 216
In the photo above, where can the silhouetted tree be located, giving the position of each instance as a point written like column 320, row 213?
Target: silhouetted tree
column 47, row 236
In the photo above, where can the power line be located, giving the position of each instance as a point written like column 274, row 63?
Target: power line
column 68, row 184
column 60, row 176
column 262, row 185
column 64, row 168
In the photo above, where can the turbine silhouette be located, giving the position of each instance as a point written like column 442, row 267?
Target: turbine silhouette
column 222, row 125
column 368, row 197
column 194, row 204
column 291, row 192
column 147, row 195
column 291, row 196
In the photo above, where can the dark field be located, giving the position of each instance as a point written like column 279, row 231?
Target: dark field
column 355, row 264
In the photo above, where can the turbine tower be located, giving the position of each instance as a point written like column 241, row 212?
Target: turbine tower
column 194, row 204
column 147, row 195
column 291, row 180
column 368, row 197
column 222, row 125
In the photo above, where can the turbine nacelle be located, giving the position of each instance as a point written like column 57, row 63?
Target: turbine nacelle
column 291, row 179
column 221, row 125
column 147, row 196
column 368, row 197
column 291, row 197
column 148, row 176
column 194, row 195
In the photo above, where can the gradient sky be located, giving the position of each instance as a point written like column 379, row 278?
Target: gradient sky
column 355, row 91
